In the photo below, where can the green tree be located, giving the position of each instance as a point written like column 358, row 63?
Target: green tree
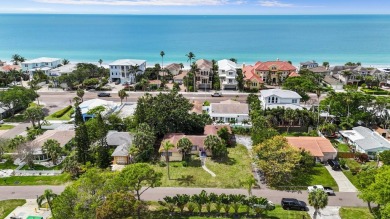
column 71, row 165
column 17, row 98
column 53, row 149
column 185, row 146
column 34, row 114
column 122, row 94
column 290, row 116
column 248, row 183
column 325, row 64
column 385, row 157
column 80, row 93
column 140, row 177
column 162, row 54
column 47, row 196
column 65, row 61
column 216, row 83
column 224, row 134
column 233, row 60
column 240, row 80
column 318, row 199
column 144, row 140
column 81, row 138
column 364, row 181
column 277, row 159
column 118, row 205
column 167, row 145
column 261, row 128
column 17, row 59
column 100, row 62
column 103, row 158
column 214, row 144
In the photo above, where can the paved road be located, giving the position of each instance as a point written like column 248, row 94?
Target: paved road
column 341, row 198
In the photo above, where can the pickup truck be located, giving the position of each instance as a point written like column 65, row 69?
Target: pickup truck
column 327, row 190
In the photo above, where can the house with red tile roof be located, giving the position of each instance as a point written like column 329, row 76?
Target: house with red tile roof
column 8, row 68
column 251, row 79
column 319, row 147
column 273, row 72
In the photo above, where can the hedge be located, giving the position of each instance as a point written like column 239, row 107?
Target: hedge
column 62, row 112
column 376, row 92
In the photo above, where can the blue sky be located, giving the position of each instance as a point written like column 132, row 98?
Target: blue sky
column 206, row 7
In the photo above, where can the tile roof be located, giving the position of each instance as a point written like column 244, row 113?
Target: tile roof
column 173, row 67
column 226, row 64
column 280, row 66
column 213, row 129
column 8, row 68
column 249, row 72
column 180, row 76
column 319, row 69
column 294, row 74
column 229, row 107
column 197, row 108
column 174, row 138
column 204, row 64
column 317, row 146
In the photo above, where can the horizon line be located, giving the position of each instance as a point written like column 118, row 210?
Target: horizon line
column 132, row 14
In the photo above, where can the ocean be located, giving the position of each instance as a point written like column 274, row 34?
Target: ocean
column 333, row 38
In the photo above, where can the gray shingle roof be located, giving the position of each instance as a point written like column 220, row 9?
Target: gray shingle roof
column 115, row 138
column 371, row 139
column 280, row 93
column 121, row 151
column 230, row 107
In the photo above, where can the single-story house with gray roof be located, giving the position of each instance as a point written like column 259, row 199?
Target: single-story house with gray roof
column 122, row 141
column 227, row 111
column 365, row 140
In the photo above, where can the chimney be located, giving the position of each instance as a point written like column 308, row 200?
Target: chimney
column 243, row 65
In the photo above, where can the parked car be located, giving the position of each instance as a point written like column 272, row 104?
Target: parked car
column 117, row 83
column 293, row 204
column 216, row 94
column 334, row 164
column 327, row 190
column 104, row 95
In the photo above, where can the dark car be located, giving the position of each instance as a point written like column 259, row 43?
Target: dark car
column 293, row 204
column 104, row 95
column 334, row 164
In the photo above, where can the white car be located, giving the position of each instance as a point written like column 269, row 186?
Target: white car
column 327, row 190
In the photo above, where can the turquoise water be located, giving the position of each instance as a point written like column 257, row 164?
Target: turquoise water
column 333, row 38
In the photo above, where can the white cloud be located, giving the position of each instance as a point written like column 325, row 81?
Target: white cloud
column 274, row 3
column 28, row 10
column 143, row 2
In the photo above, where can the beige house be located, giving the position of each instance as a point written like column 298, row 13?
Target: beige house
column 319, row 147
column 180, row 77
column 273, row 72
column 252, row 80
column 173, row 68
column 204, row 74
column 122, row 142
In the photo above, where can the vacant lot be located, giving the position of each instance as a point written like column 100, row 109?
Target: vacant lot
column 229, row 171
column 35, row 180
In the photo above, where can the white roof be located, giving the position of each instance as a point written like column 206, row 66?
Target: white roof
column 227, row 65
column 65, row 68
column 90, row 104
column 366, row 138
column 40, row 60
column 280, row 93
column 128, row 62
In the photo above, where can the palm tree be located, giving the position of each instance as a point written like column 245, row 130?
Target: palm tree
column 181, row 65
column 167, row 145
column 80, row 93
column 144, row 83
column 318, row 199
column 184, row 145
column 181, row 201
column 134, row 69
column 236, row 201
column 233, row 60
column 17, row 59
column 53, row 149
column 249, row 182
column 49, row 196
column 162, row 54
column 190, row 56
column 122, row 94
column 100, row 62
column 65, row 62
column 290, row 115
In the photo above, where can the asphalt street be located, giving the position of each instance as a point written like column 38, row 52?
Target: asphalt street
column 155, row 194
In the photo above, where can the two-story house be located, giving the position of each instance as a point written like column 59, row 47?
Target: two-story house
column 227, row 71
column 308, row 65
column 252, row 81
column 204, row 74
column 275, row 98
column 173, row 68
column 273, row 72
column 44, row 64
column 125, row 70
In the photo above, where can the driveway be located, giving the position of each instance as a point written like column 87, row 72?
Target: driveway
column 329, row 212
column 342, row 181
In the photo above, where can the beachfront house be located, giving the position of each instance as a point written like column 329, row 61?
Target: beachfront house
column 275, row 98
column 64, row 69
column 204, row 74
column 319, row 147
column 8, row 68
column 252, row 81
column 173, row 68
column 125, row 70
column 228, row 111
column 365, row 140
column 180, row 77
column 227, row 71
column 273, row 72
column 308, row 65
column 44, row 64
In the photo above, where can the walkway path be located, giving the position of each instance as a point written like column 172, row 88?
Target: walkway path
column 207, row 169
column 329, row 212
column 29, row 209
column 341, row 198
column 342, row 181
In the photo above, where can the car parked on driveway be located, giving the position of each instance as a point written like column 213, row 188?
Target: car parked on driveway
column 104, row 95
column 334, row 164
column 293, row 204
column 327, row 190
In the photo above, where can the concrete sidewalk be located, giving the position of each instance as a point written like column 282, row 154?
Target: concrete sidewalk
column 29, row 209
column 342, row 181
column 329, row 212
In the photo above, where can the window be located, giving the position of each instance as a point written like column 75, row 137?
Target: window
column 163, row 154
column 194, row 148
column 204, row 81
column 272, row 99
column 115, row 67
column 26, row 66
column 294, row 101
column 269, row 99
column 223, row 71
column 230, row 81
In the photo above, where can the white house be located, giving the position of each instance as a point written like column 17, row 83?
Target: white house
column 308, row 65
column 86, row 106
column 280, row 98
column 228, row 111
column 173, row 68
column 44, row 64
column 227, row 74
column 65, row 69
column 125, row 70
column 365, row 140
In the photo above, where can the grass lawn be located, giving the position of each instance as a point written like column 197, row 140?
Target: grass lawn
column 16, row 118
column 278, row 213
column 8, row 165
column 35, row 180
column 318, row 176
column 348, row 173
column 41, row 167
column 7, row 206
column 66, row 116
column 342, row 147
column 6, row 127
column 355, row 213
column 229, row 172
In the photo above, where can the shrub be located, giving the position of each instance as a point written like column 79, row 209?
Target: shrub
column 241, row 130
column 184, row 163
column 62, row 112
column 342, row 163
column 354, row 168
column 363, row 158
column 162, row 164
